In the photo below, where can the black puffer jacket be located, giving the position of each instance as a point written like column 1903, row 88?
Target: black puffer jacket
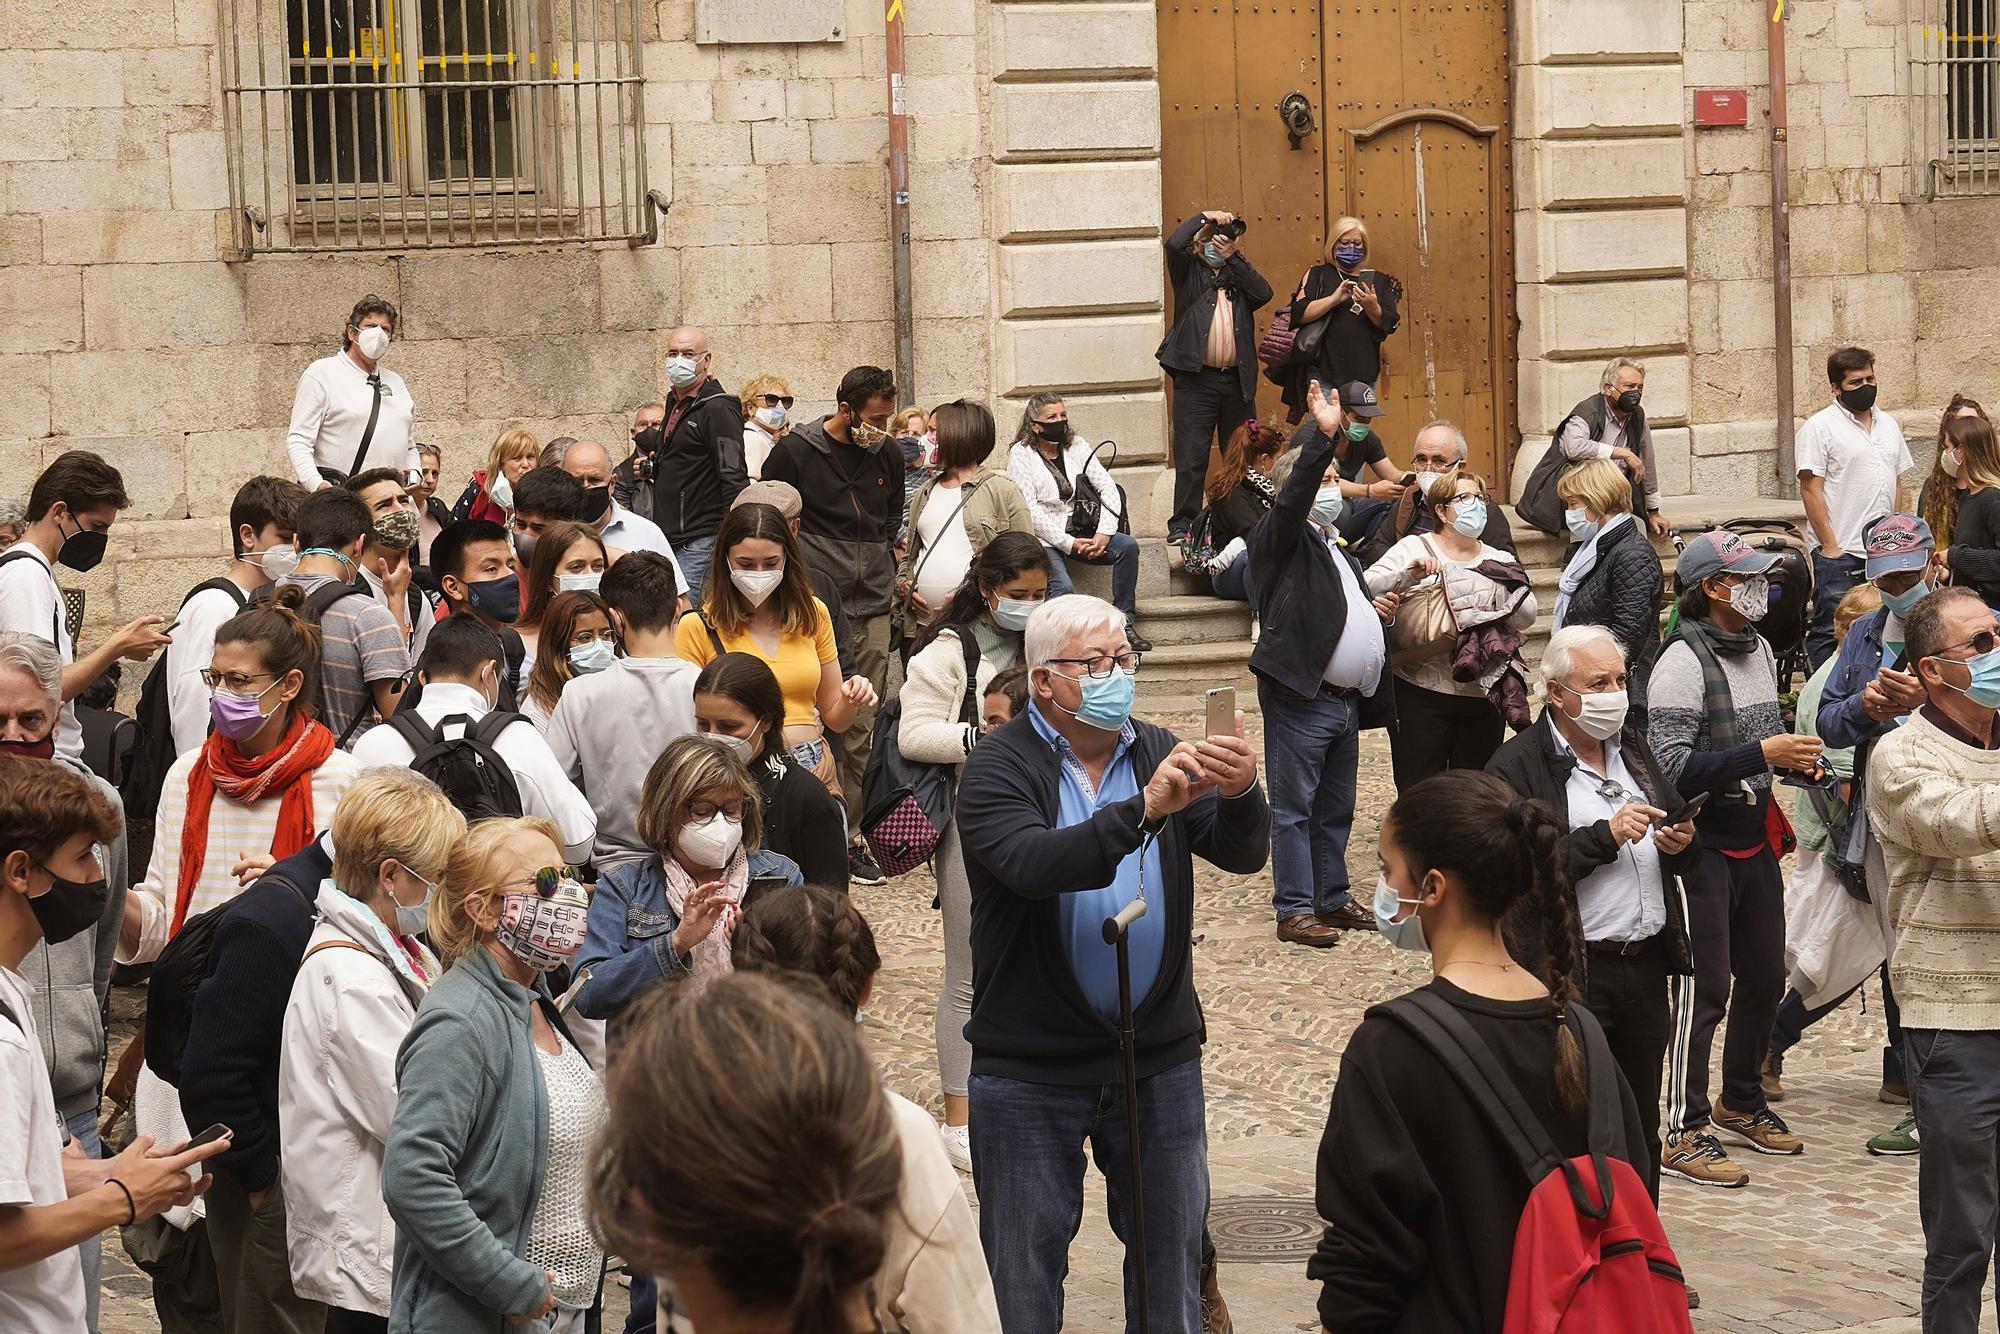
column 700, row 468
column 1622, row 593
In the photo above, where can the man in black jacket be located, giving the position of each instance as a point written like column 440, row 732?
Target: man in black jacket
column 1067, row 814
column 1211, row 351
column 1321, row 664
column 1583, row 757
column 852, row 491
column 699, row 467
column 229, row 1075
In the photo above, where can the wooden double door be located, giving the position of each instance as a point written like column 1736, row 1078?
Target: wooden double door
column 1405, row 125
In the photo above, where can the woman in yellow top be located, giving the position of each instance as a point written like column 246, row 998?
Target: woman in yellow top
column 759, row 600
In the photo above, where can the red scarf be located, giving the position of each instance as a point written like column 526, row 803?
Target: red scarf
column 287, row 767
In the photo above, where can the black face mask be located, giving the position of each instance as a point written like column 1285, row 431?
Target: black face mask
column 1859, row 399
column 1055, row 432
column 498, row 598
column 1629, row 401
column 82, row 549
column 596, row 503
column 649, row 440
column 70, row 908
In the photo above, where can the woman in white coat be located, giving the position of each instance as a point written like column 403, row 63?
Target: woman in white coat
column 356, row 994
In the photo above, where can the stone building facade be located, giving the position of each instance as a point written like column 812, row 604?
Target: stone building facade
column 1036, row 212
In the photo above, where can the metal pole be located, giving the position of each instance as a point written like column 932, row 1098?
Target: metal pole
column 899, row 203
column 1116, row 930
column 1781, row 242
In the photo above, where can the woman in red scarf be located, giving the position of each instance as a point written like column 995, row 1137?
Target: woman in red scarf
column 262, row 785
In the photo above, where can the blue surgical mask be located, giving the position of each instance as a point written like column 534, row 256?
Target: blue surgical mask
column 1581, row 526
column 1212, row 253
column 1983, row 689
column 414, row 921
column 592, row 657
column 1469, row 517
column 1899, row 604
column 682, row 371
column 1328, row 505
column 1013, row 613
column 1407, row 934
column 1107, row 700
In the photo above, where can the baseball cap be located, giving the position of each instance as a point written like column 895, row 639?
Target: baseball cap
column 1720, row 552
column 780, row 496
column 1357, row 399
column 1897, row 542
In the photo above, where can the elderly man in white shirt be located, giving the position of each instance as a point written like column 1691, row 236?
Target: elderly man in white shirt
column 590, row 463
column 349, row 414
column 1851, row 457
column 462, row 680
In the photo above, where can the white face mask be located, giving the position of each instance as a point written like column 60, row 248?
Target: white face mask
column 1752, row 598
column 1424, row 480
column 711, row 842
column 1950, row 462
column 773, row 416
column 742, row 747
column 501, row 491
column 373, row 342
column 1600, row 715
column 586, row 582
column 278, row 561
column 756, row 585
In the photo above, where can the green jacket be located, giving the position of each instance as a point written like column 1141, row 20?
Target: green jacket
column 993, row 505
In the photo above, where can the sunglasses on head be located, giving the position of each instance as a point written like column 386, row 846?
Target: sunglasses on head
column 547, row 880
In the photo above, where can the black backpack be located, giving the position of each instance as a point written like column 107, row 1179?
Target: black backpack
column 157, row 752
column 178, row 973
column 317, row 604
column 466, row 767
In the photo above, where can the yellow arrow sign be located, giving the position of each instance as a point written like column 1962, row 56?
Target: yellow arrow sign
column 895, row 10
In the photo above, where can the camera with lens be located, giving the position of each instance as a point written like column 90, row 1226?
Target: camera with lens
column 1233, row 229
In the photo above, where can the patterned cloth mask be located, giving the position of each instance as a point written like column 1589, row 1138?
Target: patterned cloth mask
column 544, row 928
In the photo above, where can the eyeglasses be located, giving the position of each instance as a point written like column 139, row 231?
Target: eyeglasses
column 703, row 811
column 1099, row 665
column 547, row 881
column 775, row 400
column 237, row 681
column 1982, row 642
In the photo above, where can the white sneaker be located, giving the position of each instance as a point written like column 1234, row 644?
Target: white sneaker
column 957, row 1146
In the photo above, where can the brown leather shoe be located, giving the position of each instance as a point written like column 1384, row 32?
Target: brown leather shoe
column 1214, row 1311
column 1305, row 929
column 1349, row 916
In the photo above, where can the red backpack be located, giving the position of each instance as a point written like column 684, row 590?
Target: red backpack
column 1589, row 1251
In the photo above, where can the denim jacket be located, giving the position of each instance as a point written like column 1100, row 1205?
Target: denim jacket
column 629, row 944
column 1844, row 723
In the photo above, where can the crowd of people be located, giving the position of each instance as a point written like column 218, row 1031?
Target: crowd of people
column 492, row 860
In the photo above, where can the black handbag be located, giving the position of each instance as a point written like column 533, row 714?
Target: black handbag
column 1307, row 342
column 1086, row 506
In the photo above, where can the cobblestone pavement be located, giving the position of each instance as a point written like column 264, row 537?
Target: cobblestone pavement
column 1827, row 1241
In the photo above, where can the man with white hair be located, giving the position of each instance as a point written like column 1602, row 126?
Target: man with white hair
column 69, row 980
column 1067, row 814
column 1583, row 758
column 1439, row 448
column 1610, row 424
column 590, row 463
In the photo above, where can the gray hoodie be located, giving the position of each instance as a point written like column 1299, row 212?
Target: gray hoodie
column 70, row 982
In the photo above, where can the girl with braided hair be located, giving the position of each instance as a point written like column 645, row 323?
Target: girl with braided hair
column 933, row 1277
column 1424, row 1192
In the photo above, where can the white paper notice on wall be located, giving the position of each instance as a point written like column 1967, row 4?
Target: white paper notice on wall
column 767, row 21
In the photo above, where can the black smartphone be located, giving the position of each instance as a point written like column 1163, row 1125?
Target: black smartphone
column 1687, row 812
column 208, row 1136
column 760, row 885
column 1409, row 479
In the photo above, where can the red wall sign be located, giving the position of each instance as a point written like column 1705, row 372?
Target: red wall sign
column 1721, row 107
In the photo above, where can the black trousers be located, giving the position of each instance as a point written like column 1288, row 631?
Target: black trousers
column 1208, row 407
column 355, row 1322
column 1435, row 731
column 1736, row 922
column 1628, row 995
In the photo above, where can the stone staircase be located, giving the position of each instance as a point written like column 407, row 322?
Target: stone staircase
column 1201, row 641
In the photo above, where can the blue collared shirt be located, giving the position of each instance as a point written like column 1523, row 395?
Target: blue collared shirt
column 1095, row 963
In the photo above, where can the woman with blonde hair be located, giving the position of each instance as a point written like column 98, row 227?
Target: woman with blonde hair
column 490, row 493
column 1613, row 577
column 767, row 419
column 1938, row 503
column 1359, row 307
column 581, row 640
column 485, row 1172
column 364, row 973
column 1970, row 555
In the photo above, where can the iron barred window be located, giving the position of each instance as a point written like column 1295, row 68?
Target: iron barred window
column 415, row 124
column 1956, row 97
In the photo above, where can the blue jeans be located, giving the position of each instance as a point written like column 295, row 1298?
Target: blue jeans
column 1028, row 1166
column 1123, row 558
column 1235, row 583
column 83, row 1129
column 1831, row 580
column 694, row 556
column 1955, row 1093
column 1312, row 749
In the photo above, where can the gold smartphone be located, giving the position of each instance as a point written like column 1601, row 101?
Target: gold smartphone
column 1222, row 711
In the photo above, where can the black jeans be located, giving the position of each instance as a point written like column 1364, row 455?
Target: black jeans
column 1794, row 1018
column 1434, row 731
column 1736, row 921
column 1208, row 407
column 1628, row 995
column 1955, row 1093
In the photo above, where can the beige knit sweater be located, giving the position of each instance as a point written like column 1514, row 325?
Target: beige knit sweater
column 1935, row 804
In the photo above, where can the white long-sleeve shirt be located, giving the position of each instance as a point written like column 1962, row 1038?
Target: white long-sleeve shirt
column 1046, row 506
column 330, row 413
column 545, row 789
column 187, row 657
column 31, row 602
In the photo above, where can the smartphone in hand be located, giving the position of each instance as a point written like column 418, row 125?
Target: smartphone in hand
column 1222, row 711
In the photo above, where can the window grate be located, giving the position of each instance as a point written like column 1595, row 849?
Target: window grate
column 1955, row 113
column 434, row 124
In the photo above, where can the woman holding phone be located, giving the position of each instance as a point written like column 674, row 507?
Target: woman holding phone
column 1358, row 304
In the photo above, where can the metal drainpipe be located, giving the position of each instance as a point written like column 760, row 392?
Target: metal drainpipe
column 1781, row 243
column 899, row 203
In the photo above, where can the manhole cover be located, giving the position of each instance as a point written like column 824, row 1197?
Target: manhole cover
column 1263, row 1229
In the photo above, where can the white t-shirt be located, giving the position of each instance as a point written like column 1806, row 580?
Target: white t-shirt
column 46, row 1296
column 330, row 415
column 635, row 532
column 1859, row 467
column 944, row 551
column 31, row 603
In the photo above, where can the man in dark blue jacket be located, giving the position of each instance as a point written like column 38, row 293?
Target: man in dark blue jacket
column 229, row 1074
column 1322, row 676
column 1067, row 814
